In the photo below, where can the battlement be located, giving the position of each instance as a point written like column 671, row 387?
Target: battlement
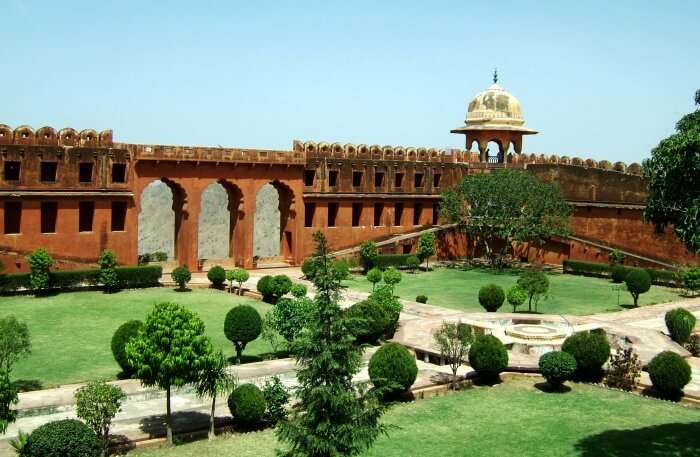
column 47, row 136
column 213, row 154
column 621, row 167
column 376, row 152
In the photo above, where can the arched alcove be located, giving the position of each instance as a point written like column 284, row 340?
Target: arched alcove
column 214, row 224
column 272, row 236
column 158, row 219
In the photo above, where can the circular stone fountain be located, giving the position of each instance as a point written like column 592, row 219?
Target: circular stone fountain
column 535, row 332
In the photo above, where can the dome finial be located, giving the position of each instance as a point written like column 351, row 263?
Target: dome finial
column 495, row 75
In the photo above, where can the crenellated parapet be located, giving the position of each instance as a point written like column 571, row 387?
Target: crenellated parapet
column 159, row 152
column 621, row 167
column 324, row 149
column 48, row 136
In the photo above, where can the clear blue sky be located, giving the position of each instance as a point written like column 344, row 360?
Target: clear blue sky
column 601, row 79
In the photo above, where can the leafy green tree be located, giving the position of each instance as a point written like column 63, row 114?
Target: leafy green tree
column 536, row 284
column 8, row 397
column 516, row 296
column 426, row 247
column 392, row 277
column 638, row 281
column 14, row 344
column 214, row 381
column 333, row 416
column 276, row 398
column 291, row 316
column 374, row 276
column 40, row 262
column 454, row 340
column 239, row 275
column 243, row 324
column 508, row 205
column 108, row 273
column 673, row 177
column 368, row 254
column 171, row 351
column 97, row 403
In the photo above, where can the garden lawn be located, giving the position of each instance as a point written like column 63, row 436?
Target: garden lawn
column 568, row 294
column 513, row 418
column 71, row 332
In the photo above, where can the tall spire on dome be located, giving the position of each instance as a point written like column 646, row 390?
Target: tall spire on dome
column 495, row 75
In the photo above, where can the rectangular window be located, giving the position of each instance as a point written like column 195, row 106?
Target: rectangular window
column 398, row 214
column 333, row 178
column 356, row 178
column 332, row 214
column 118, row 216
column 119, row 172
column 436, row 213
column 378, row 213
column 356, row 214
column 309, row 212
column 418, row 180
column 379, row 179
column 11, row 170
column 309, row 176
column 85, row 172
column 48, row 171
column 49, row 213
column 436, row 179
column 86, row 214
column 13, row 217
column 398, row 179
column 417, row 210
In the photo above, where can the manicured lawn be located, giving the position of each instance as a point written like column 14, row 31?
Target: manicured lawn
column 513, row 418
column 568, row 294
column 71, row 332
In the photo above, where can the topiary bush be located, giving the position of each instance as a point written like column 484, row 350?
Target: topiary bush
column 40, row 263
column 412, row 263
column 272, row 288
column 217, row 276
column 341, row 269
column 516, row 296
column 557, row 367
column 680, row 324
column 488, row 357
column 669, row 373
column 247, row 405
column 299, row 290
column 374, row 276
column 392, row 277
column 618, row 273
column 691, row 280
column 393, row 368
column 121, row 337
column 238, row 275
column 368, row 254
column 422, row 299
column 309, row 268
column 385, row 298
column 264, row 286
column 181, row 275
column 368, row 321
column 491, row 297
column 276, row 398
column 63, row 438
column 108, row 275
column 591, row 350
column 290, row 316
column 242, row 325
column 637, row 282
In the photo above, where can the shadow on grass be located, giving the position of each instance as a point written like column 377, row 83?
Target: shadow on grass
column 678, row 440
column 245, row 359
column 27, row 385
column 670, row 396
column 183, row 422
column 186, row 289
column 548, row 388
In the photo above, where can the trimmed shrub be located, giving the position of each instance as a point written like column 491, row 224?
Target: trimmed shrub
column 374, row 276
column 247, row 405
column 591, row 350
column 391, row 277
column 516, row 296
column 238, row 275
column 242, row 325
column 272, row 288
column 691, row 280
column 107, row 274
column 290, row 316
column 341, row 269
column 63, row 438
column 557, row 367
column 412, row 263
column 669, row 373
column 143, row 259
column 217, row 276
column 127, row 277
column 624, row 370
column 276, row 398
column 121, row 337
column 384, row 296
column 384, row 261
column 618, row 273
column 14, row 282
column 309, row 268
column 393, row 368
column 69, row 279
column 693, row 345
column 637, row 282
column 488, row 356
column 367, row 321
column 680, row 324
column 40, row 262
column 264, row 286
column 368, row 254
column 160, row 256
column 422, row 299
column 181, row 275
column 299, row 290
column 577, row 267
column 136, row 277
column 491, row 297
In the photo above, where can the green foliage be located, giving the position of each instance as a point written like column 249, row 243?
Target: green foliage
column 454, row 341
column 15, row 342
column 669, row 373
column 290, row 316
column 691, row 280
column 247, row 405
column 120, row 339
column 536, row 284
column 412, row 263
column 63, row 438
column 384, row 297
column 14, row 282
column 672, row 176
column 491, row 297
column 238, row 275
column 516, row 296
column 40, row 263
column 508, row 205
column 615, row 256
column 374, row 276
column 624, row 370
column 160, row 256
column 426, row 246
column 680, row 324
column 637, row 282
column 368, row 254
column 19, row 442
column 557, row 367
column 393, row 369
column 391, row 277
column 242, row 325
column 276, row 399
column 693, row 345
column 299, row 290
column 578, row 267
column 488, row 356
column 308, row 268
column 333, row 416
column 97, row 403
column 108, row 273
column 70, row 279
column 384, row 261
column 618, row 273
column 272, row 288
column 217, row 276
column 602, row 270
column 136, row 277
column 181, row 275
column 422, row 299
column 342, row 269
column 214, row 381
column 8, row 397
column 367, row 321
column 591, row 350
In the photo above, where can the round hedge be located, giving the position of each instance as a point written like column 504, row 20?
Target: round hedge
column 299, row 290
column 368, row 321
column 281, row 285
column 412, row 262
column 242, row 324
column 557, row 367
column 618, row 273
column 121, row 337
column 374, row 275
column 217, row 276
column 309, row 268
column 638, row 281
column 64, row 438
column 247, row 405
column 181, row 275
column 680, row 324
column 488, row 356
column 491, row 297
column 669, row 372
column 264, row 286
column 590, row 349
column 393, row 367
column 516, row 296
column 341, row 269
column 422, row 299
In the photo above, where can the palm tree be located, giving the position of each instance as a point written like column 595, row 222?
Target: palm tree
column 215, row 381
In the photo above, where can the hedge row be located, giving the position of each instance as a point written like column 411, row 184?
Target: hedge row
column 129, row 278
column 384, row 261
column 602, row 270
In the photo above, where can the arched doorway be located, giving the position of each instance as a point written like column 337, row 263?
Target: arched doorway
column 220, row 204
column 273, row 211
column 160, row 218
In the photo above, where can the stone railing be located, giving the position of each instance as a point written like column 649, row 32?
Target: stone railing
column 211, row 154
column 47, row 136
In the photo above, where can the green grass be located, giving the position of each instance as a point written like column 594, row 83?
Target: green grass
column 513, row 418
column 71, row 332
column 568, row 294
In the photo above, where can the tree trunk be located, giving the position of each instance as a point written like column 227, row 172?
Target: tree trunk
column 212, row 434
column 168, row 417
column 238, row 354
